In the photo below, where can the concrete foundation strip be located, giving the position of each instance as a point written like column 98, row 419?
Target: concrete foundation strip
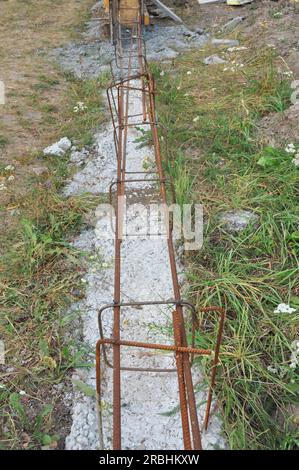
column 130, row 56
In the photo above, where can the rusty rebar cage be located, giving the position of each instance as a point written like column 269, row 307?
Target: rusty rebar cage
column 130, row 73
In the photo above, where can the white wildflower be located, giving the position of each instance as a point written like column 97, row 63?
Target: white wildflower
column 2, row 187
column 196, row 119
column 295, row 160
column 189, row 72
column 284, row 308
column 178, row 87
column 83, row 281
column 294, row 355
column 11, row 178
column 9, row 168
column 162, row 73
column 105, row 265
column 80, row 106
column 290, row 148
column 272, row 369
column 22, row 392
column 288, row 73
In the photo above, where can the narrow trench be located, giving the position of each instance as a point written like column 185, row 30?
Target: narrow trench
column 150, row 402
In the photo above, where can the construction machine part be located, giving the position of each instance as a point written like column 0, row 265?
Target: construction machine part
column 168, row 11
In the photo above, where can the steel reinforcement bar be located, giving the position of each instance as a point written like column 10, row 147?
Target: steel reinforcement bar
column 131, row 74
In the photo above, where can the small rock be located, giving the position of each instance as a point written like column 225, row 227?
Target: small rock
column 214, row 59
column 237, row 3
column 58, row 387
column 204, row 2
column 237, row 49
column 69, row 442
column 225, row 42
column 15, row 212
column 78, row 157
column 200, row 31
column 39, row 170
column 236, row 221
column 59, row 148
column 212, row 440
column 82, row 441
column 232, row 24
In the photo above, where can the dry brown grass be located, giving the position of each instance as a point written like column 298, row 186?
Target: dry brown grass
column 28, row 30
column 35, row 88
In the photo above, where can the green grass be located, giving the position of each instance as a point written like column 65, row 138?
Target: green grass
column 81, row 125
column 40, row 277
column 211, row 117
column 40, row 271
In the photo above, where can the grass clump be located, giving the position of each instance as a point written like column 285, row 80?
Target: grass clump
column 40, row 271
column 85, row 112
column 211, row 116
column 39, row 278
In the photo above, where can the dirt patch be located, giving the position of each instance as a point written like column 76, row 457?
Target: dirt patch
column 278, row 129
column 265, row 24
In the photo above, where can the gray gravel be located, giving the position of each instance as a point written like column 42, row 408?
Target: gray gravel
column 90, row 59
column 237, row 220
